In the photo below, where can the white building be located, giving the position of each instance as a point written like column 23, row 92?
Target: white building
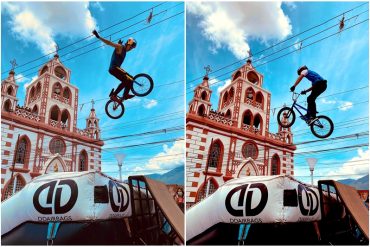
column 42, row 136
column 235, row 140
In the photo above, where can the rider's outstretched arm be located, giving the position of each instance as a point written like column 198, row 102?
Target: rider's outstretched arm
column 299, row 79
column 107, row 42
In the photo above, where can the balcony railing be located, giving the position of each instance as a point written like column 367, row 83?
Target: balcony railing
column 35, row 98
column 251, row 128
column 26, row 113
column 218, row 117
column 61, row 98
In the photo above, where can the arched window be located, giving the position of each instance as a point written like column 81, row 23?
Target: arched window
column 38, row 89
column 66, row 93
column 32, row 93
column 57, row 145
column 23, row 151
column 225, row 98
column 238, row 74
column 215, row 155
column 210, row 187
column 82, row 161
column 10, row 91
column 10, row 190
column 252, row 77
column 257, row 122
column 275, row 165
column 65, row 119
column 35, row 110
column 8, row 106
column 96, row 135
column 228, row 114
column 250, row 149
column 204, row 95
column 201, row 110
column 259, row 100
column 44, row 70
column 54, row 113
column 249, row 95
column 60, row 72
column 231, row 94
column 247, row 118
column 57, row 88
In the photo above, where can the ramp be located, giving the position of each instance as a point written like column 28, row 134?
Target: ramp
column 166, row 210
column 352, row 202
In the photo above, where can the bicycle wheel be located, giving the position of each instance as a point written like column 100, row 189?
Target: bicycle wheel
column 114, row 109
column 322, row 127
column 286, row 117
column 142, row 85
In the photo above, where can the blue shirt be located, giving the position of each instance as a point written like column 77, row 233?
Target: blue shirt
column 117, row 59
column 312, row 76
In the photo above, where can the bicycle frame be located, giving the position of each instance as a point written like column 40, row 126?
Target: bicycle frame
column 296, row 105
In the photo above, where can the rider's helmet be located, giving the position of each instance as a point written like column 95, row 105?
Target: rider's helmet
column 132, row 42
column 301, row 69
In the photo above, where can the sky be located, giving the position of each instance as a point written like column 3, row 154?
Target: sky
column 220, row 34
column 31, row 30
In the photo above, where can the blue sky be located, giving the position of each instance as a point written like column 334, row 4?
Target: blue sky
column 30, row 30
column 219, row 34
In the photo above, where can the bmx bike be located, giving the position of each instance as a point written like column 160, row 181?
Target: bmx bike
column 142, row 84
column 322, row 127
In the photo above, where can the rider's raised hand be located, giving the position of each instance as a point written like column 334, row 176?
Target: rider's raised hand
column 304, row 92
column 292, row 88
column 96, row 34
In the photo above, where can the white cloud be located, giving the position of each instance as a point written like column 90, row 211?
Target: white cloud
column 40, row 22
column 232, row 24
column 290, row 5
column 356, row 165
column 222, row 87
column 328, row 102
column 97, row 5
column 30, row 82
column 345, row 105
column 19, row 78
column 150, row 103
column 170, row 158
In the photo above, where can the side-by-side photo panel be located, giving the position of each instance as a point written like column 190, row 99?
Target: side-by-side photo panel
column 92, row 123
column 277, row 123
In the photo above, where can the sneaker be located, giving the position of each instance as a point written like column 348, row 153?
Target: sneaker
column 305, row 117
column 128, row 96
column 311, row 120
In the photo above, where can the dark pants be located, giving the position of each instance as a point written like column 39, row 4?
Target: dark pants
column 120, row 74
column 317, row 89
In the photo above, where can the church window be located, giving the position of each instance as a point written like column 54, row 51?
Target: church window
column 228, row 114
column 44, row 70
column 35, row 110
column 10, row 91
column 238, row 74
column 82, row 163
column 7, row 106
column 249, row 149
column 201, row 110
column 22, row 150
column 210, row 186
column 54, row 113
column 204, row 96
column 57, row 145
column 252, row 77
column 275, row 165
column 10, row 190
column 60, row 72
column 215, row 155
column 247, row 118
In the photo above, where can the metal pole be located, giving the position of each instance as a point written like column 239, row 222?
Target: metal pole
column 120, row 171
column 311, row 177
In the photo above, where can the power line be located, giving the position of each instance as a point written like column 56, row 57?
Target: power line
column 283, row 41
column 87, row 37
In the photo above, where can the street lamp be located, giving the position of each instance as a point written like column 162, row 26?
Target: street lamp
column 120, row 158
column 311, row 163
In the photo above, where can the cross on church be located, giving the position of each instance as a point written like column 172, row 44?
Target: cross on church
column 208, row 69
column 14, row 64
column 92, row 103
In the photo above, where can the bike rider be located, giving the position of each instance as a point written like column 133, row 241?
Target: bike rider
column 115, row 69
column 318, row 87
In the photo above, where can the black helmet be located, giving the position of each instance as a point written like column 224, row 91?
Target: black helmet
column 132, row 42
column 301, row 69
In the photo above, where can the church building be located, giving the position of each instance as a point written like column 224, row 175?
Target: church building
column 234, row 140
column 42, row 136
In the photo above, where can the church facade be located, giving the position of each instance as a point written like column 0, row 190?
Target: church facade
column 234, row 140
column 42, row 136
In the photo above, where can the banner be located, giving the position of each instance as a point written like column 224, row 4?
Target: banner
column 67, row 196
column 253, row 200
